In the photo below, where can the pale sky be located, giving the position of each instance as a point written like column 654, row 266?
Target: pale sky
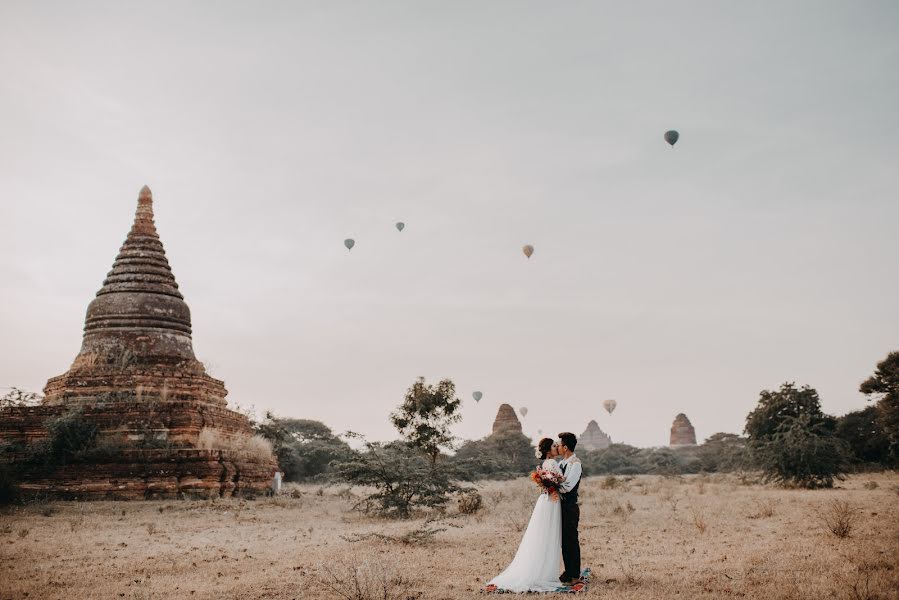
column 762, row 248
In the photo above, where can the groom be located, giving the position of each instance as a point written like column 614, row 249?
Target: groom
column 571, row 512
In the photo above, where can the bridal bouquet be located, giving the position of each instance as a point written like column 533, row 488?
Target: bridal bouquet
column 549, row 482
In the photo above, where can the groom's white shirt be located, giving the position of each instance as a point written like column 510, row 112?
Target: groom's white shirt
column 572, row 472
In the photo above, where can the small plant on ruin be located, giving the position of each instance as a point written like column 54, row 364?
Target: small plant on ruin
column 70, row 436
column 16, row 397
column 839, row 518
column 214, row 439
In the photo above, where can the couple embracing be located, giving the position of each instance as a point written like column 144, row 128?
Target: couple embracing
column 552, row 532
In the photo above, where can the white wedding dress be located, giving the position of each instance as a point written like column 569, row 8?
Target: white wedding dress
column 535, row 567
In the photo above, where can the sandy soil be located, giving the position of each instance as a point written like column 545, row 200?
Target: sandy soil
column 646, row 538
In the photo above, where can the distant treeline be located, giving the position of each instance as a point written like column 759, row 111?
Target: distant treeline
column 307, row 448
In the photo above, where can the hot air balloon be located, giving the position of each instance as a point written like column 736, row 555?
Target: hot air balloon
column 477, row 396
column 400, row 226
column 349, row 243
column 671, row 137
column 609, row 405
column 524, row 411
column 528, row 250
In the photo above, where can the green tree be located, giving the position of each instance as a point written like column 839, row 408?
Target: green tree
column 884, row 385
column 862, row 430
column 724, row 452
column 793, row 441
column 503, row 454
column 305, row 448
column 426, row 415
column 617, row 459
column 403, row 478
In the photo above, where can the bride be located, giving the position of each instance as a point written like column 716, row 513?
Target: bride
column 535, row 567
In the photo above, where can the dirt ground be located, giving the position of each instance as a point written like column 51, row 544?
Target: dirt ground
column 647, row 538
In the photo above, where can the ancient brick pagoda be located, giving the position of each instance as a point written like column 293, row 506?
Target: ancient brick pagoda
column 594, row 438
column 506, row 420
column 136, row 378
column 682, row 432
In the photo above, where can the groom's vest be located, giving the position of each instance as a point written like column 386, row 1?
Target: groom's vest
column 571, row 496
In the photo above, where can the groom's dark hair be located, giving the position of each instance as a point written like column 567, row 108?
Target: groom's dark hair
column 568, row 439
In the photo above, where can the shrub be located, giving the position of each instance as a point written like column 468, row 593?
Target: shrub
column 469, row 501
column 8, row 484
column 363, row 580
column 801, row 453
column 839, row 518
column 305, row 448
column 69, row 435
column 403, row 479
column 793, row 441
column 498, row 456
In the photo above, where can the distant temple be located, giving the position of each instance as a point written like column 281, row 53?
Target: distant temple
column 593, row 438
column 506, row 420
column 137, row 380
column 682, row 432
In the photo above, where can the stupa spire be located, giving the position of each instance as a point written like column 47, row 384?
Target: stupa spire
column 139, row 307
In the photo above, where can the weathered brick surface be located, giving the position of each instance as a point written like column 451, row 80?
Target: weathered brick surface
column 682, row 432
column 593, row 438
column 506, row 420
column 136, row 377
column 157, row 473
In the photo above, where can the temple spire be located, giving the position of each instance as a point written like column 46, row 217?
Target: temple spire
column 143, row 217
column 139, row 306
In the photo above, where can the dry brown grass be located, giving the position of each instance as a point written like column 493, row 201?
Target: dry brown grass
column 214, row 439
column 758, row 542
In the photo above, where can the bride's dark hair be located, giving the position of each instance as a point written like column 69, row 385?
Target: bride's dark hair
column 544, row 446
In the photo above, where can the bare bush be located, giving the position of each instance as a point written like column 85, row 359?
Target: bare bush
column 364, row 580
column 417, row 536
column 697, row 516
column 870, row 485
column 839, row 517
column 632, row 575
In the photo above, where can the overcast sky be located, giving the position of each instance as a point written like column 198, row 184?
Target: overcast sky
column 762, row 248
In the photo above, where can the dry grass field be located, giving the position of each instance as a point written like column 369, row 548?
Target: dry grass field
column 645, row 538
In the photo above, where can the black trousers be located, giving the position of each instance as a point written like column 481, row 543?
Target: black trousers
column 571, row 545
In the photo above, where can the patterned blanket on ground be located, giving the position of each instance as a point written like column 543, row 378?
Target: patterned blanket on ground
column 578, row 586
